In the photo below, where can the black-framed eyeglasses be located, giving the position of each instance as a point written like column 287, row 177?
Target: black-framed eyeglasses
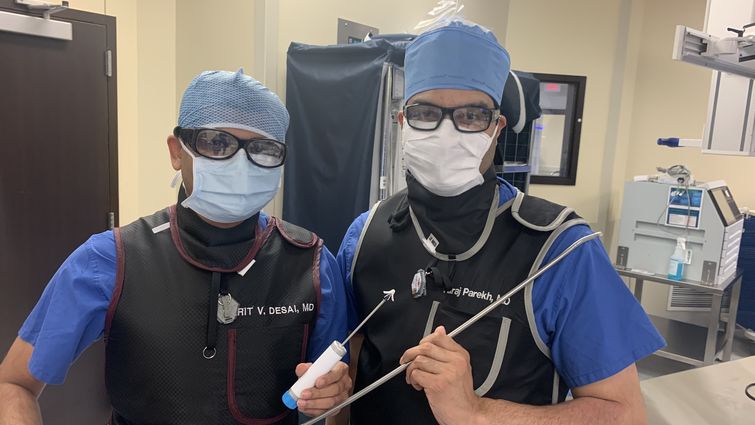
column 219, row 145
column 466, row 119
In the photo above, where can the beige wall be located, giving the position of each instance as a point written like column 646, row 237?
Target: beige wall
column 156, row 91
column 125, row 12
column 576, row 38
column 615, row 155
column 94, row 6
column 217, row 35
column 315, row 22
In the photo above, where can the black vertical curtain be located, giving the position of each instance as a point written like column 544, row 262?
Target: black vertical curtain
column 332, row 94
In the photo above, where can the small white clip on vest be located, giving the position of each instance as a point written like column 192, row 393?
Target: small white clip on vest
column 431, row 243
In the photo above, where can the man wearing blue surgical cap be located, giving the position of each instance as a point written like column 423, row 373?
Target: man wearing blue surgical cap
column 459, row 238
column 209, row 308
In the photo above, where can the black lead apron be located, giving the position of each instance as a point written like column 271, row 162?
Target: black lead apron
column 157, row 327
column 506, row 360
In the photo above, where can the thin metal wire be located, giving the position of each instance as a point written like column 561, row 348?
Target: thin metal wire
column 374, row 310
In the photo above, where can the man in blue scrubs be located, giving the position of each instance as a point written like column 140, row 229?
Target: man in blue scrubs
column 456, row 240
column 209, row 308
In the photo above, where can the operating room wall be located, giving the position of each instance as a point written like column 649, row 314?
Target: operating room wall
column 574, row 38
column 94, row 6
column 619, row 136
column 127, row 29
column 156, row 91
column 315, row 22
column 672, row 100
column 212, row 37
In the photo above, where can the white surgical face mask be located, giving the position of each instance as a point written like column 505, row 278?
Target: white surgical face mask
column 230, row 190
column 445, row 160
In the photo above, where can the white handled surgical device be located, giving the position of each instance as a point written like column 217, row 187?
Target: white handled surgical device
column 327, row 360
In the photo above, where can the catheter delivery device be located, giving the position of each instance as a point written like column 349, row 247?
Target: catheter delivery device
column 366, row 390
column 327, row 360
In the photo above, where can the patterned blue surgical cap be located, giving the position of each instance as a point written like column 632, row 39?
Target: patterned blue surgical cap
column 222, row 99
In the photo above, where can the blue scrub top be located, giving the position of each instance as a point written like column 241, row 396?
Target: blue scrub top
column 70, row 315
column 584, row 312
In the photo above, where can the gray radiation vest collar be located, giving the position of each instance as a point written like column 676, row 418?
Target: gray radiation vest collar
column 509, row 360
column 158, row 320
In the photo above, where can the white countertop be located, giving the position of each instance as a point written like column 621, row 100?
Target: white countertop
column 712, row 395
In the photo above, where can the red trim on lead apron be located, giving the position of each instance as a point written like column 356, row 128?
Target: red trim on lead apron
column 261, row 237
column 316, row 276
column 284, row 233
column 119, row 277
column 305, row 343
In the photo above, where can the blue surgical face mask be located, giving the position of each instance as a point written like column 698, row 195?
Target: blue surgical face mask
column 230, row 190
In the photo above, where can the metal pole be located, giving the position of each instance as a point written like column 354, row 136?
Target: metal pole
column 385, row 123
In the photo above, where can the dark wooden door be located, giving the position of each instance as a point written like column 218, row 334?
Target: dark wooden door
column 58, row 180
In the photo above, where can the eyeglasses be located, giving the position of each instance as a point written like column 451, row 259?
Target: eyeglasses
column 219, row 145
column 466, row 119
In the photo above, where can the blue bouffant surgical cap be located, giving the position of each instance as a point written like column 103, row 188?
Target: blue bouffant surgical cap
column 222, row 99
column 459, row 55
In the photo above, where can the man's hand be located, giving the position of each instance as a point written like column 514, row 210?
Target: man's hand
column 329, row 390
column 441, row 368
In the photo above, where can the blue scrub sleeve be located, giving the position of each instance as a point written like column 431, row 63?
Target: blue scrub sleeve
column 70, row 315
column 587, row 316
column 344, row 259
column 331, row 323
